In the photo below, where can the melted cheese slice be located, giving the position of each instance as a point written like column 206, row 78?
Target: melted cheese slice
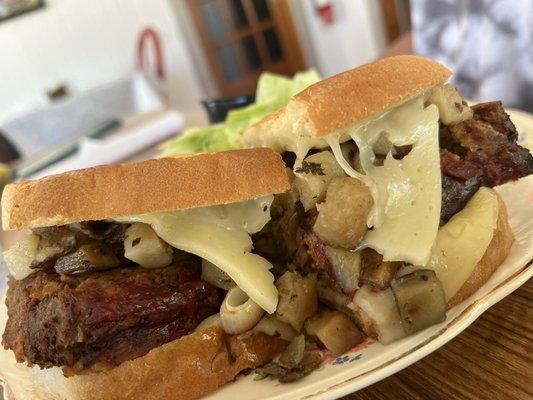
column 406, row 192
column 221, row 235
column 463, row 241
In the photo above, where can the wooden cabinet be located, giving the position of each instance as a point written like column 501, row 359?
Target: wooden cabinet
column 242, row 38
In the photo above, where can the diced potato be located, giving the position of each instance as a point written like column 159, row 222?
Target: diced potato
column 272, row 326
column 376, row 272
column 346, row 266
column 298, row 298
column 313, row 177
column 420, row 300
column 334, row 330
column 377, row 313
column 452, row 108
column 341, row 220
column 143, row 246
column 20, row 257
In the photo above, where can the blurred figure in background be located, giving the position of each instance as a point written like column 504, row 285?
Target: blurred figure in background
column 487, row 43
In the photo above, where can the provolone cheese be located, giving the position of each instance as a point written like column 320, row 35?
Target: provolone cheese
column 221, row 235
column 407, row 192
column 463, row 241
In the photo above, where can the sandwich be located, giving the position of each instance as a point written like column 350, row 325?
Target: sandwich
column 362, row 209
column 109, row 289
column 392, row 203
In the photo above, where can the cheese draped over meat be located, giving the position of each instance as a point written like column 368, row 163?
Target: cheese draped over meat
column 406, row 191
column 221, row 234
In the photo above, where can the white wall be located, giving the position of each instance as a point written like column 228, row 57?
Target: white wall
column 356, row 36
column 85, row 44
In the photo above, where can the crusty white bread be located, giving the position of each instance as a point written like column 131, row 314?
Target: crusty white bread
column 184, row 369
column 497, row 251
column 341, row 101
column 156, row 185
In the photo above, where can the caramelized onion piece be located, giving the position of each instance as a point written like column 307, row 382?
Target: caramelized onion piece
column 238, row 312
column 89, row 257
column 209, row 322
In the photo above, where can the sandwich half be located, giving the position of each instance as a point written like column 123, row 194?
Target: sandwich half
column 392, row 204
column 108, row 291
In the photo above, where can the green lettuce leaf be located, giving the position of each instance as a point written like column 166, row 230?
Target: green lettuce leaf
column 273, row 92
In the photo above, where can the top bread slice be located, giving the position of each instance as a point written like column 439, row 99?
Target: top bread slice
column 341, row 101
column 164, row 184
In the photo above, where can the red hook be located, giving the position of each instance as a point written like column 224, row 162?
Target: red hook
column 150, row 33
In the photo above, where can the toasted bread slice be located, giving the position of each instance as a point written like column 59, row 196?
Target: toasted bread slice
column 156, row 185
column 336, row 103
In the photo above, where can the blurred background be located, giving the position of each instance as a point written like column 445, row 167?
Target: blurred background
column 91, row 82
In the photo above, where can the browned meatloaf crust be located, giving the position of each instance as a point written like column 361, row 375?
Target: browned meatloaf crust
column 101, row 319
column 481, row 151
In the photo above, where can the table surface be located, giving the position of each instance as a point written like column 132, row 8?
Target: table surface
column 491, row 359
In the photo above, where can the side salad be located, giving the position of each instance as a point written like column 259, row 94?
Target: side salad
column 273, row 92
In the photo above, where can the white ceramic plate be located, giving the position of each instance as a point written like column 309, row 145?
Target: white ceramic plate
column 371, row 362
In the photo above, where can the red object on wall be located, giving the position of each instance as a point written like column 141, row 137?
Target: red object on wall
column 152, row 35
column 324, row 9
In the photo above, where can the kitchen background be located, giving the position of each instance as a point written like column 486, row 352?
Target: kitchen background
column 208, row 48
column 75, row 74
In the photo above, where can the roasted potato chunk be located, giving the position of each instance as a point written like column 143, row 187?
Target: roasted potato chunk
column 420, row 299
column 143, row 246
column 313, row 176
column 19, row 258
column 377, row 273
column 376, row 312
column 334, row 330
column 341, row 220
column 452, row 108
column 272, row 326
column 298, row 298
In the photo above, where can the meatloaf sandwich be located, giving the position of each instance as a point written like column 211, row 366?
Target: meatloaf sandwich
column 139, row 281
column 122, row 264
column 392, row 204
